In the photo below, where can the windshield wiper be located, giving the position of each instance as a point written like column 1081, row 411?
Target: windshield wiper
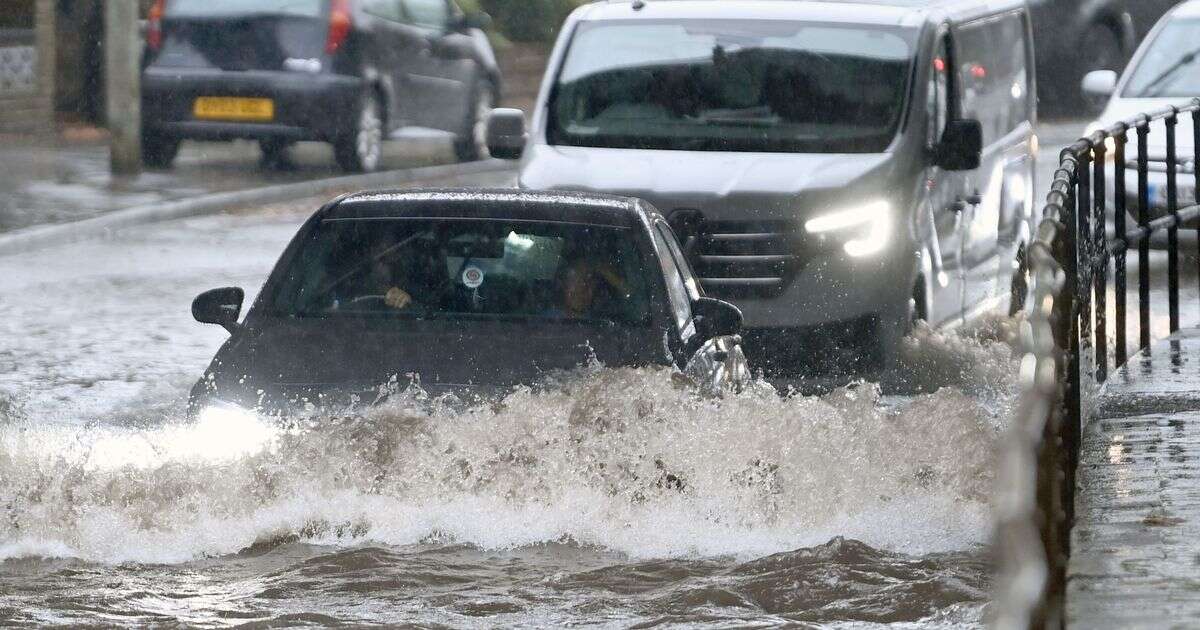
column 1187, row 59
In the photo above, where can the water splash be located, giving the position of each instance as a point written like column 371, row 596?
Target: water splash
column 624, row 460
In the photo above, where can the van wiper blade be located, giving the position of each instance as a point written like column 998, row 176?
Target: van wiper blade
column 1187, row 59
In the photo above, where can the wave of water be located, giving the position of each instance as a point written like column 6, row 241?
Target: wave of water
column 628, row 461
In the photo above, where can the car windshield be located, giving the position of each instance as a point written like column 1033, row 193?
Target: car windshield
column 197, row 8
column 1170, row 66
column 481, row 269
column 732, row 85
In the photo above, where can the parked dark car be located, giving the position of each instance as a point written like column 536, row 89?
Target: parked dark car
column 348, row 72
column 1074, row 37
column 465, row 290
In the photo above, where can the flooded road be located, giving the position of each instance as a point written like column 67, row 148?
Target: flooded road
column 609, row 497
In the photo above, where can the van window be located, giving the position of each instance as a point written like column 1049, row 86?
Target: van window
column 732, row 85
column 937, row 104
column 428, row 13
column 993, row 74
column 386, row 9
column 205, row 8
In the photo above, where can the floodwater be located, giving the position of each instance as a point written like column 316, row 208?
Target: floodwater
column 608, row 497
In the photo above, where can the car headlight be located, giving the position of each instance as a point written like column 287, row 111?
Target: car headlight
column 870, row 222
column 225, row 431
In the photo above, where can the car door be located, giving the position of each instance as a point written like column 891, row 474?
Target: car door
column 715, row 364
column 944, row 191
column 438, row 92
column 987, row 70
column 390, row 48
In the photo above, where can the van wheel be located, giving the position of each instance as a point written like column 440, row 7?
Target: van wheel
column 1020, row 283
column 471, row 143
column 359, row 151
column 159, row 151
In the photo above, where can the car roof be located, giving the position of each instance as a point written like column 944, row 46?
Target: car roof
column 877, row 12
column 491, row 203
column 1188, row 9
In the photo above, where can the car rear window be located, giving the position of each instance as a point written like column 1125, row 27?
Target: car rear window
column 466, row 269
column 203, row 8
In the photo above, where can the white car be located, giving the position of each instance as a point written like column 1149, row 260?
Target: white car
column 1164, row 71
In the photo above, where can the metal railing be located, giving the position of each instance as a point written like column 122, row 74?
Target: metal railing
column 1065, row 339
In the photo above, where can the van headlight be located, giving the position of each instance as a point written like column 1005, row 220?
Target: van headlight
column 868, row 227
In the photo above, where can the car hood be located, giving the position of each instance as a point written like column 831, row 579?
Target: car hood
column 718, row 182
column 297, row 359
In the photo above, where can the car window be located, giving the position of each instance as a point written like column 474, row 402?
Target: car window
column 487, row 269
column 187, row 8
column 993, row 74
column 677, row 290
column 1170, row 67
column 386, row 9
column 428, row 13
column 732, row 85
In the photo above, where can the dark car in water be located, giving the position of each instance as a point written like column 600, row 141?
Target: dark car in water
column 348, row 72
column 466, row 291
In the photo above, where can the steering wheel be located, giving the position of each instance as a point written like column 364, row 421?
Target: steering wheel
column 369, row 298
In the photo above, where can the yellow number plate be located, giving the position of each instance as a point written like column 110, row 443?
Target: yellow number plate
column 239, row 109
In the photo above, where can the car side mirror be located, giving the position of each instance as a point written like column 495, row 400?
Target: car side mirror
column 716, row 318
column 219, row 306
column 473, row 19
column 1099, row 83
column 506, row 133
column 961, row 148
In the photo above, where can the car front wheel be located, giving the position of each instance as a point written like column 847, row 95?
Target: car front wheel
column 359, row 151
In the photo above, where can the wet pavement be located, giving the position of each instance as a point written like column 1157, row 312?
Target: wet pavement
column 1134, row 555
column 60, row 181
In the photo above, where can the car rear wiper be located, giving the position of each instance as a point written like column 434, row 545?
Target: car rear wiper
column 1187, row 59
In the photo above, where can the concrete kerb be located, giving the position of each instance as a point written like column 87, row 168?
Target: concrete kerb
column 49, row 235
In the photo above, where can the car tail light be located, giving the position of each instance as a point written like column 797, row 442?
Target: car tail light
column 339, row 25
column 154, row 24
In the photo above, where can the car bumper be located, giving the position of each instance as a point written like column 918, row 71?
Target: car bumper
column 306, row 106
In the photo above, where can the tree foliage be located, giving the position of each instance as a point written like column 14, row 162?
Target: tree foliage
column 528, row 20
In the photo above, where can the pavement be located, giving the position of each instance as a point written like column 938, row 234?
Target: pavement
column 66, row 178
column 1134, row 559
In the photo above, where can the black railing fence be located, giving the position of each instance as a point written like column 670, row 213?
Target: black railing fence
column 1084, row 236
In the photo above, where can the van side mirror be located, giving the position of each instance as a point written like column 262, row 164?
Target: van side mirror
column 1099, row 83
column 506, row 133
column 219, row 306
column 716, row 318
column 961, row 148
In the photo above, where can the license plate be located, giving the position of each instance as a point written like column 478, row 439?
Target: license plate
column 231, row 108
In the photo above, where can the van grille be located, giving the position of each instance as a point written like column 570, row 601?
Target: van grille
column 745, row 258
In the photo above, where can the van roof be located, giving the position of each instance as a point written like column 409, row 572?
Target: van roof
column 880, row 12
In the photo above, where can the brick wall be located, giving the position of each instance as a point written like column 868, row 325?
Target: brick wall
column 27, row 73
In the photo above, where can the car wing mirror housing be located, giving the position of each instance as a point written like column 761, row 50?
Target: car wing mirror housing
column 506, row 133
column 716, row 318
column 961, row 148
column 1099, row 83
column 219, row 306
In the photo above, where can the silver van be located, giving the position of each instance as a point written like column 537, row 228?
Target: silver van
column 836, row 169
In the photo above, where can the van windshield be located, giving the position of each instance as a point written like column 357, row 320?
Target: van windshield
column 732, row 85
column 206, row 8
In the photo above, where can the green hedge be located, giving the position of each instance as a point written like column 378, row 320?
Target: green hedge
column 527, row 20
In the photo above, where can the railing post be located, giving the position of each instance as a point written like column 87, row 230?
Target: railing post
column 1173, row 230
column 1143, row 169
column 1196, row 170
column 1099, row 257
column 1119, row 209
column 1069, row 336
column 1083, row 247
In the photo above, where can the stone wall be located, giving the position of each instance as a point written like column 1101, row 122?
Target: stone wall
column 27, row 68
